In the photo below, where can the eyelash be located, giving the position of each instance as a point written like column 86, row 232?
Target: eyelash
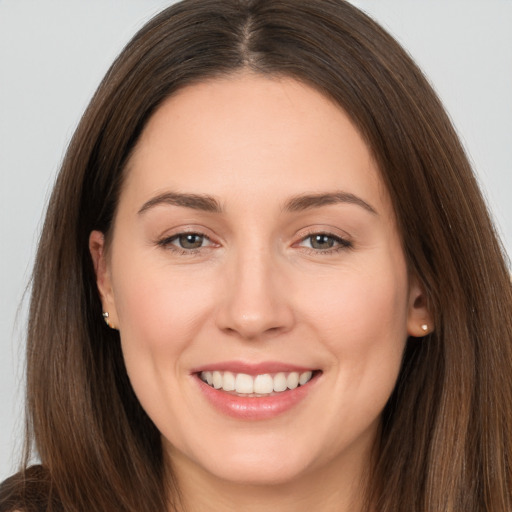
column 341, row 243
column 167, row 243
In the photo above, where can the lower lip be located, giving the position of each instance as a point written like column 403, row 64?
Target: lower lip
column 255, row 408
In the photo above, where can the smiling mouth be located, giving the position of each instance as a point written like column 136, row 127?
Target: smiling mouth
column 267, row 384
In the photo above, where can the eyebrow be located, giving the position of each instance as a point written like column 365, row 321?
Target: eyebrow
column 209, row 204
column 195, row 201
column 305, row 202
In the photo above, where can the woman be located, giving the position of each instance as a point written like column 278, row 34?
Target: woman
column 267, row 281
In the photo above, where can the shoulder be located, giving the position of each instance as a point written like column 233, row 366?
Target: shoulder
column 27, row 491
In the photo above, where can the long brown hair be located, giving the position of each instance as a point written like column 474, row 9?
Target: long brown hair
column 446, row 437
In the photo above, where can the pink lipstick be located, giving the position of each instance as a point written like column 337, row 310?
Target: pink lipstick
column 254, row 391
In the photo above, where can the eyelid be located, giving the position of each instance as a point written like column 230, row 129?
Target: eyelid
column 177, row 236
column 166, row 240
column 344, row 240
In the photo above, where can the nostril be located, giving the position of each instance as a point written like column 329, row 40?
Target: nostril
column 254, row 306
column 252, row 326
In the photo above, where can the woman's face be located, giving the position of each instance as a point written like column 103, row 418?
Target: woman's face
column 255, row 248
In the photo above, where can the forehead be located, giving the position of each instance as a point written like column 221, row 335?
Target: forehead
column 251, row 131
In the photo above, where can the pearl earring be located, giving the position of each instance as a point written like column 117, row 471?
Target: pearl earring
column 105, row 317
column 424, row 328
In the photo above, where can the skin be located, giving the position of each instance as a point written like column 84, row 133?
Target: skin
column 258, row 290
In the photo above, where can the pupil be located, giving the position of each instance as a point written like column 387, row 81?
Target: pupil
column 322, row 242
column 191, row 241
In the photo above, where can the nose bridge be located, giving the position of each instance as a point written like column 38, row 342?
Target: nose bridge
column 255, row 302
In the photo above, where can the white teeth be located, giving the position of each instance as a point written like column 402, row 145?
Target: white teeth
column 280, row 382
column 263, row 384
column 293, row 380
column 217, row 380
column 305, row 377
column 244, row 383
column 229, row 382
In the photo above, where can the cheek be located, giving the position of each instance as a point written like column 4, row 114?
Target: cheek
column 361, row 317
column 364, row 305
column 159, row 311
column 363, row 325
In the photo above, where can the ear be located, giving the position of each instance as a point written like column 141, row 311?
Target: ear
column 419, row 318
column 103, row 278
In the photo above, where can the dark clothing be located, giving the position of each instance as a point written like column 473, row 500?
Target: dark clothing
column 29, row 491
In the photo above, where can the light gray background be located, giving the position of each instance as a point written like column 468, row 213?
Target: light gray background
column 53, row 54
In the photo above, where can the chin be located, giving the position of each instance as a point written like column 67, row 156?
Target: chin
column 261, row 464
column 258, row 473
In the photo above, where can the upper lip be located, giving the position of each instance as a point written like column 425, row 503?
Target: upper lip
column 251, row 368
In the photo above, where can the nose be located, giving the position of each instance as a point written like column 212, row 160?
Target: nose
column 256, row 303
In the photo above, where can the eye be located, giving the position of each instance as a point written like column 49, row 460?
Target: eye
column 189, row 240
column 324, row 242
column 186, row 242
